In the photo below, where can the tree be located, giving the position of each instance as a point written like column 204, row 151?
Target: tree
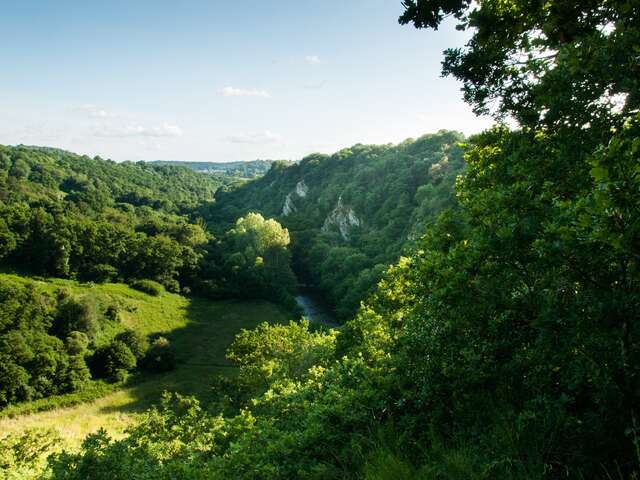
column 136, row 342
column 536, row 294
column 254, row 260
column 77, row 315
column 271, row 352
column 113, row 361
column 551, row 64
column 161, row 356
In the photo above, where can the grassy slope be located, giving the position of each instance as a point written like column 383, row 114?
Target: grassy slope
column 200, row 329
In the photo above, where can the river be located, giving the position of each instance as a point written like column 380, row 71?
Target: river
column 315, row 310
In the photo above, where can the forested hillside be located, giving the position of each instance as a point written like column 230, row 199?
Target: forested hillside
column 92, row 220
column 70, row 216
column 352, row 213
column 248, row 169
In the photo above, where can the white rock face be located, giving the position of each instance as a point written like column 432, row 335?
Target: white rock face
column 288, row 206
column 302, row 189
column 344, row 218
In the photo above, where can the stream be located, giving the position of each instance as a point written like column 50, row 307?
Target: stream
column 315, row 310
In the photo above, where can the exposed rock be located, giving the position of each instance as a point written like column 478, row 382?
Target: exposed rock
column 288, row 206
column 302, row 189
column 344, row 218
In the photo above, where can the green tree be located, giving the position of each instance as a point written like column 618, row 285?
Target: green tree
column 113, row 361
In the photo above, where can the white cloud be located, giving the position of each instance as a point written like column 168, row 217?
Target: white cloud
column 136, row 130
column 312, row 59
column 242, row 92
column 94, row 111
column 257, row 138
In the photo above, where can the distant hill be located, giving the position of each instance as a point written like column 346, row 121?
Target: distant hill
column 249, row 169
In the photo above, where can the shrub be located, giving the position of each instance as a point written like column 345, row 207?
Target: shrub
column 136, row 342
column 103, row 272
column 171, row 284
column 160, row 357
column 147, row 286
column 112, row 361
column 112, row 313
column 76, row 315
column 75, row 375
column 62, row 294
column 77, row 342
column 20, row 454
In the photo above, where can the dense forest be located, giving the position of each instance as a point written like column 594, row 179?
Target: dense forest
column 92, row 220
column 69, row 216
column 503, row 343
column 352, row 213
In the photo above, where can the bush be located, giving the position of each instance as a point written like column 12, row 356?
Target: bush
column 76, row 315
column 103, row 272
column 161, row 356
column 20, row 454
column 171, row 284
column 112, row 313
column 112, row 361
column 147, row 286
column 62, row 294
column 77, row 343
column 136, row 342
column 75, row 375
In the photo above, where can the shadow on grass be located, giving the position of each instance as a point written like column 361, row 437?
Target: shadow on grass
column 200, row 349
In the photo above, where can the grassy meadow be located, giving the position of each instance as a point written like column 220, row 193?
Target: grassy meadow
column 199, row 329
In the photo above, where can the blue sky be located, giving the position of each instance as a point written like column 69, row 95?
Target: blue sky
column 221, row 81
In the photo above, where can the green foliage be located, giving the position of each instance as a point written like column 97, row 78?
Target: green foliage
column 33, row 362
column 251, row 260
column 294, row 430
column 113, row 361
column 136, row 342
column 180, row 423
column 160, row 357
column 553, row 65
column 21, row 455
column 274, row 352
column 69, row 216
column 76, row 315
column 147, row 286
column 102, row 273
column 77, row 342
column 352, row 213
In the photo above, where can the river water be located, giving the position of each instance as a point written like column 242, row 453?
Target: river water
column 314, row 309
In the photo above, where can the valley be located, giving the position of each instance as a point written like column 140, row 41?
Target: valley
column 199, row 329
column 461, row 304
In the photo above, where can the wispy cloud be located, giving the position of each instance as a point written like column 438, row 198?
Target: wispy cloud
column 312, row 59
column 257, row 138
column 93, row 111
column 136, row 130
column 243, row 92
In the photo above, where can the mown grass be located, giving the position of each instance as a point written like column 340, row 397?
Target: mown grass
column 201, row 330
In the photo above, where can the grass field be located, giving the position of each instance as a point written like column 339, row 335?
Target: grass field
column 200, row 330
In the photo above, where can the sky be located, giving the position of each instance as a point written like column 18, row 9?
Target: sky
column 222, row 81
